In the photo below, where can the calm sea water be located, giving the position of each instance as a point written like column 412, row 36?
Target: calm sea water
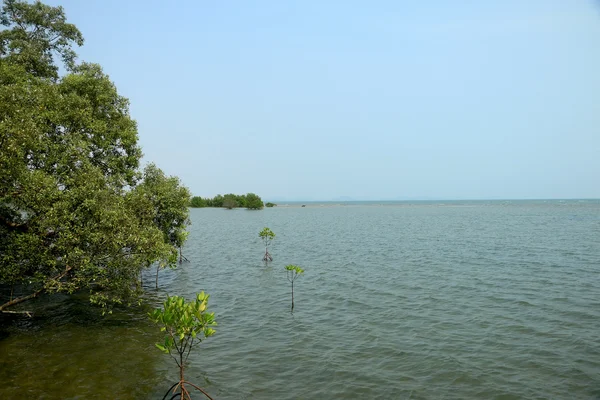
column 454, row 300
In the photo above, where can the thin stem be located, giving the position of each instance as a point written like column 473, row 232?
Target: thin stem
column 189, row 349
column 175, row 358
column 28, row 313
column 184, row 345
column 181, row 363
column 157, row 268
column 176, row 347
column 292, row 295
column 181, row 368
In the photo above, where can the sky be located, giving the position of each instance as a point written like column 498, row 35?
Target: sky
column 381, row 100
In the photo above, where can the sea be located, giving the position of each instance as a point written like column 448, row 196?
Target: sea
column 398, row 300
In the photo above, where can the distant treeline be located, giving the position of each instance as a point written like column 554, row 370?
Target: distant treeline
column 250, row 201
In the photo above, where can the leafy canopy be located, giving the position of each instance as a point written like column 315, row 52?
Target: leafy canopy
column 267, row 236
column 76, row 211
column 170, row 199
column 293, row 272
column 253, row 202
column 36, row 33
column 250, row 201
column 183, row 322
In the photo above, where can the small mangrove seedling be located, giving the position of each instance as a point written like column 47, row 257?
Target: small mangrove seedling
column 184, row 323
column 293, row 272
column 267, row 236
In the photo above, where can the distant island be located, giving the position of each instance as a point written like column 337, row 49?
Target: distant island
column 230, row 201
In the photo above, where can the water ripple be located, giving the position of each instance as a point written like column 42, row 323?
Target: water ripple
column 485, row 300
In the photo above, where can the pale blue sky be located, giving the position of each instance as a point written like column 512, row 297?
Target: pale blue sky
column 313, row 100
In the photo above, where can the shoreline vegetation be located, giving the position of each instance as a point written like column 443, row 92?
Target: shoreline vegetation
column 430, row 203
column 78, row 213
column 230, row 201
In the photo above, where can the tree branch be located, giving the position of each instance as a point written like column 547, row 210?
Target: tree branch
column 21, row 299
column 28, row 313
column 13, row 225
column 34, row 294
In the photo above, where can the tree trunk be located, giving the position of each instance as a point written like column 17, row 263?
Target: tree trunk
column 292, row 295
column 181, row 367
column 157, row 268
column 181, row 379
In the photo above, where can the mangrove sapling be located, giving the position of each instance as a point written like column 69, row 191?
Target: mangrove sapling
column 293, row 272
column 267, row 236
column 185, row 323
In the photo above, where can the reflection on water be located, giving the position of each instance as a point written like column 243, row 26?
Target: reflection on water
column 473, row 300
column 69, row 351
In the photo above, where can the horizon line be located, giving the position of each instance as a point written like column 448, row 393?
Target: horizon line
column 441, row 199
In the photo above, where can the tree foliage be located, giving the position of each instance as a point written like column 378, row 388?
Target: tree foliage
column 267, row 236
column 293, row 272
column 250, row 201
column 230, row 201
column 198, row 202
column 75, row 210
column 253, row 202
column 36, row 33
column 170, row 199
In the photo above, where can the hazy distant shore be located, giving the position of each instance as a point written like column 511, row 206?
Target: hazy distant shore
column 437, row 203
column 425, row 203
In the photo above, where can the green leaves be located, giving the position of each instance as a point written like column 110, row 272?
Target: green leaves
column 184, row 322
column 267, row 236
column 294, row 268
column 253, row 202
column 198, row 202
column 293, row 272
column 71, row 198
column 266, row 233
column 35, row 33
column 162, row 348
column 250, row 201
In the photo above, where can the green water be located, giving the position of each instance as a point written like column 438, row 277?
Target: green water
column 460, row 300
